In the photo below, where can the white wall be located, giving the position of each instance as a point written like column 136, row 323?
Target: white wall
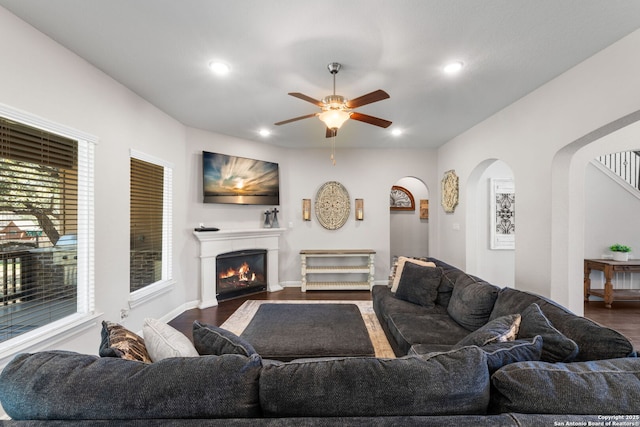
column 528, row 135
column 44, row 79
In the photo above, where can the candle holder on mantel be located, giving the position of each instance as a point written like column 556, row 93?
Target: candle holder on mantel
column 267, row 219
column 274, row 218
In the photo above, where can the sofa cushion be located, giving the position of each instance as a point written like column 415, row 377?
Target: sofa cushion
column 561, row 388
column 209, row 339
column 446, row 383
column 556, row 346
column 472, row 302
column 410, row 329
column 594, row 341
column 498, row 354
column 118, row 341
column 419, row 284
column 71, row 386
column 163, row 341
column 399, row 268
column 502, row 329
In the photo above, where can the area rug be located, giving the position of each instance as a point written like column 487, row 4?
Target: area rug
column 306, row 329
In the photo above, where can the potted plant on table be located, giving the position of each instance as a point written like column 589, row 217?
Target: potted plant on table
column 620, row 252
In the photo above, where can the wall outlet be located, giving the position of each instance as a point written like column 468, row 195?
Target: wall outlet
column 124, row 313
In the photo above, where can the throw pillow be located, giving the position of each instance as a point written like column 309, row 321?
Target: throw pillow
column 117, row 341
column 401, row 263
column 556, row 347
column 505, row 353
column 471, row 304
column 209, row 339
column 163, row 341
column 419, row 284
column 502, row 329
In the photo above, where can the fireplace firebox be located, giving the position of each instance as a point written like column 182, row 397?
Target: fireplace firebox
column 241, row 273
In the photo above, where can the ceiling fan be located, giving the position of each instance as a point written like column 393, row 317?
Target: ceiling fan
column 336, row 109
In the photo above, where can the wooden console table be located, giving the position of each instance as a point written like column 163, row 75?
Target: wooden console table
column 609, row 268
column 356, row 266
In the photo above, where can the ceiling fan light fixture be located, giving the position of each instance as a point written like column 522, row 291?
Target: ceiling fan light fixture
column 334, row 118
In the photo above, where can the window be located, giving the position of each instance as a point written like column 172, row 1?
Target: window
column 150, row 222
column 46, row 217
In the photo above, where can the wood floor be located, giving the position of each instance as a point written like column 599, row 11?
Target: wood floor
column 624, row 316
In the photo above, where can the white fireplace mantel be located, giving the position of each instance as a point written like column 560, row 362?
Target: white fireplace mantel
column 213, row 243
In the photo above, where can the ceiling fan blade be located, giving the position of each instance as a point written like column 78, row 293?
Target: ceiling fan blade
column 284, row 122
column 306, row 98
column 331, row 133
column 370, row 119
column 375, row 96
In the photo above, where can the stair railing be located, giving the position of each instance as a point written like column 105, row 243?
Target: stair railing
column 624, row 164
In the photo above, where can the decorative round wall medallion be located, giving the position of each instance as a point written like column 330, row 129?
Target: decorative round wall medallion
column 450, row 191
column 332, row 205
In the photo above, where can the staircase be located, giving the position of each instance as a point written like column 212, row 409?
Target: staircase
column 625, row 165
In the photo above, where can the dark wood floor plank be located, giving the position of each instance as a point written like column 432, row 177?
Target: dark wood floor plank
column 624, row 316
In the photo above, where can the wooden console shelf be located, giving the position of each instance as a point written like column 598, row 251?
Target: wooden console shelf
column 354, row 267
column 609, row 268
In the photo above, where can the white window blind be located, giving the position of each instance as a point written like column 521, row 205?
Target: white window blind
column 150, row 222
column 38, row 228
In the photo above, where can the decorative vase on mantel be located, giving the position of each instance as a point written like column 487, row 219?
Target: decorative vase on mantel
column 621, row 256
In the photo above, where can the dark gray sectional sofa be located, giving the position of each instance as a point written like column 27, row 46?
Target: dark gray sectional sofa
column 436, row 381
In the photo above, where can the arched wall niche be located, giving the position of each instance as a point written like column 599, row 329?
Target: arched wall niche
column 494, row 265
column 568, row 201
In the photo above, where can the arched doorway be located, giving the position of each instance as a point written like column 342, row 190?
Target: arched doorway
column 409, row 232
column 568, row 201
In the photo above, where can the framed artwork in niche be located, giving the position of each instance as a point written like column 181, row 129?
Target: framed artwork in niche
column 503, row 214
column 401, row 199
column 424, row 209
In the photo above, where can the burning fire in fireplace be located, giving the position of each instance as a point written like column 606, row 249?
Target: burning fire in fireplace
column 242, row 274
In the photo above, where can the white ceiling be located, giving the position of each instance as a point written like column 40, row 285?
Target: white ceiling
column 160, row 50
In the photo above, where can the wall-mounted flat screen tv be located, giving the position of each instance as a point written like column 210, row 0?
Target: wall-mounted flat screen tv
column 238, row 180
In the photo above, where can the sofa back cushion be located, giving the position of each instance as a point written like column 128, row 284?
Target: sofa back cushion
column 597, row 387
column 446, row 383
column 471, row 302
column 595, row 342
column 419, row 284
column 65, row 385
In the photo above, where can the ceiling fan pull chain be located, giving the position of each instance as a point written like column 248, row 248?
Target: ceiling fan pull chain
column 333, row 150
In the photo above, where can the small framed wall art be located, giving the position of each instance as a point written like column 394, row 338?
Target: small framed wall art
column 401, row 199
column 503, row 214
column 424, row 209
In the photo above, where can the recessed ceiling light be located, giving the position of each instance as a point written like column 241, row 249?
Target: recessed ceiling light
column 264, row 132
column 453, row 67
column 396, row 132
column 220, row 68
